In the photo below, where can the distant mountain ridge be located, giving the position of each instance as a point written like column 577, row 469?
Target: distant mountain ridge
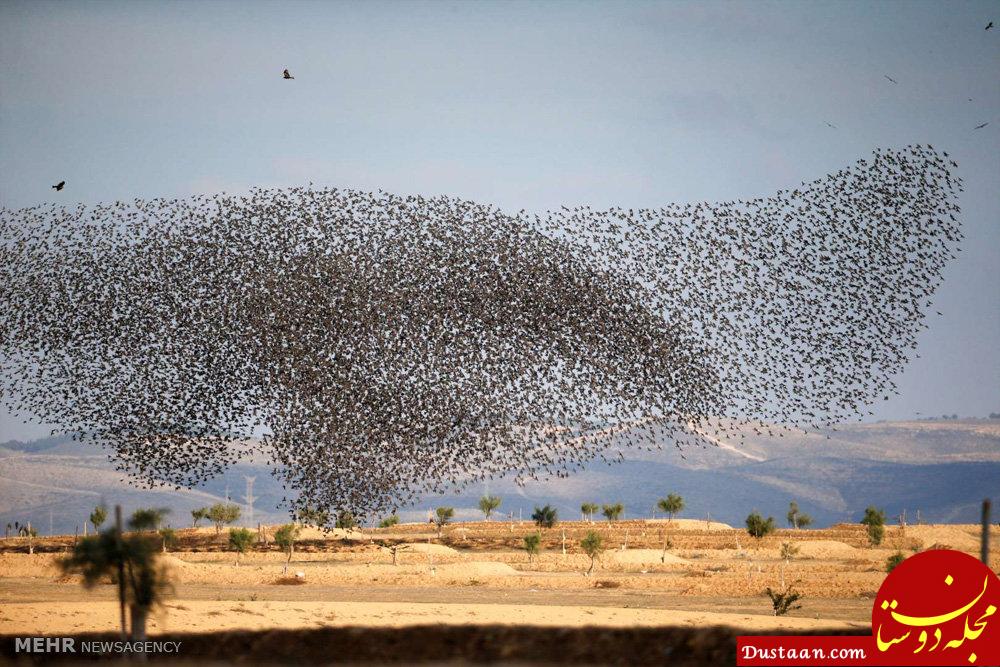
column 941, row 468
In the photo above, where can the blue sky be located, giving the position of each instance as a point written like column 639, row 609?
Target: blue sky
column 522, row 104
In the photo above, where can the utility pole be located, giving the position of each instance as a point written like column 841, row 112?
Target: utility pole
column 248, row 498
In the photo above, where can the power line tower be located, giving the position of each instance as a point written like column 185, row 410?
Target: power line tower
column 248, row 498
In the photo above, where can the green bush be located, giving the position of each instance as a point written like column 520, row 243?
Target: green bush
column 893, row 561
column 389, row 521
column 758, row 526
column 489, row 504
column 197, row 515
column 222, row 514
column 442, row 517
column 797, row 519
column 613, row 512
column 240, row 540
column 147, row 518
column 592, row 545
column 545, row 517
column 673, row 504
column 531, row 545
column 874, row 519
column 313, row 516
column 168, row 538
column 783, row 602
column 346, row 520
column 98, row 516
column 285, row 538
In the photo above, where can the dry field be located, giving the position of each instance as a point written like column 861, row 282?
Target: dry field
column 478, row 574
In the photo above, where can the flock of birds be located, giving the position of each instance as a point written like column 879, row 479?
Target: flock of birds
column 389, row 346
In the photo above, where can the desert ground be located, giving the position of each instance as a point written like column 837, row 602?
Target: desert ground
column 478, row 573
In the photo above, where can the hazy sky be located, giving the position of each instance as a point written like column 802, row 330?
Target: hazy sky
column 523, row 104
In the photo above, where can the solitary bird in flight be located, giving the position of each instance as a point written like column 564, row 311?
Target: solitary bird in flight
column 288, row 76
column 829, row 124
column 979, row 127
column 890, row 78
column 989, row 25
column 59, row 186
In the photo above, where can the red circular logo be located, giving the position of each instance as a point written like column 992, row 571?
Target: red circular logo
column 939, row 607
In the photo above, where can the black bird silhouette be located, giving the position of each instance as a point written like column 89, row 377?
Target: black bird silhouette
column 59, row 186
column 989, row 25
column 287, row 75
column 890, row 78
column 979, row 127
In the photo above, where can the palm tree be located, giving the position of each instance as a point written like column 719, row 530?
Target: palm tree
column 146, row 583
column 442, row 516
column 545, row 517
column 613, row 512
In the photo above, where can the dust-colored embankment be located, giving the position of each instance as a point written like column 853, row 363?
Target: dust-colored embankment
column 62, row 618
column 456, row 644
column 825, row 549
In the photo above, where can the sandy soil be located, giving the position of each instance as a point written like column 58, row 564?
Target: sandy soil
column 480, row 575
column 184, row 616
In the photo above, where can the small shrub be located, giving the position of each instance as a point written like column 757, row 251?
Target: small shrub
column 531, row 545
column 168, row 537
column 222, row 514
column 893, row 561
column 545, row 517
column 313, row 516
column 240, row 540
column 289, row 581
column 875, row 520
column 148, row 518
column 592, row 545
column 346, row 520
column 389, row 521
column 442, row 517
column 783, row 602
column 758, row 527
column 673, row 504
column 612, row 512
column 197, row 515
column 98, row 516
column 489, row 504
column 285, row 538
column 788, row 551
